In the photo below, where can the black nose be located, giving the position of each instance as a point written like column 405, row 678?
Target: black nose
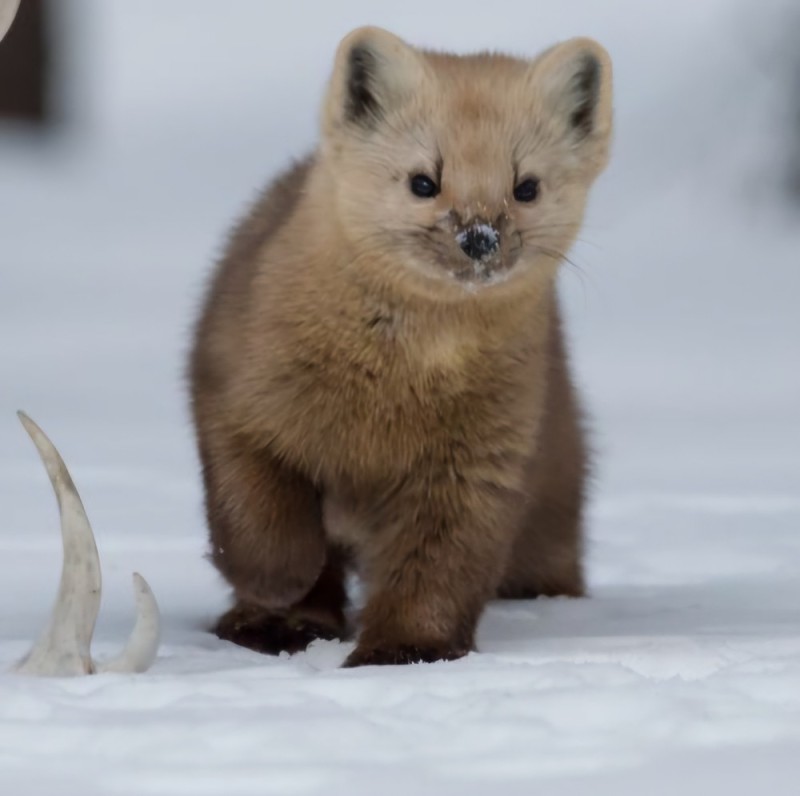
column 479, row 242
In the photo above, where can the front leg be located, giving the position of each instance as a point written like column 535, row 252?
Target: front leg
column 436, row 555
column 265, row 523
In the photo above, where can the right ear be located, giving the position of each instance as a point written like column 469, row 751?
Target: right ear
column 374, row 72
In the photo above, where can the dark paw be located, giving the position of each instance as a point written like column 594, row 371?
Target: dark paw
column 518, row 593
column 401, row 654
column 550, row 590
column 270, row 633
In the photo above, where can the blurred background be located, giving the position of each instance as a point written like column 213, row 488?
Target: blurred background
column 133, row 134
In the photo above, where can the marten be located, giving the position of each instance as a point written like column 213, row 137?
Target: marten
column 379, row 379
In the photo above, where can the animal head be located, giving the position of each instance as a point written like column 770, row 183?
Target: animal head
column 471, row 169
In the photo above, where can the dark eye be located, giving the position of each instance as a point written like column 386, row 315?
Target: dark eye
column 423, row 186
column 527, row 190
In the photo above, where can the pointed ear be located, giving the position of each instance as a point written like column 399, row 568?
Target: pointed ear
column 374, row 72
column 575, row 78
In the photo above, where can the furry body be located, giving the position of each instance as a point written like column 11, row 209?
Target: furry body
column 366, row 393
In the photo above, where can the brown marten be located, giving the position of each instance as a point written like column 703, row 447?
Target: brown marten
column 379, row 377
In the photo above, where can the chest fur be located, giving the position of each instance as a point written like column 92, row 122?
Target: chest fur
column 372, row 400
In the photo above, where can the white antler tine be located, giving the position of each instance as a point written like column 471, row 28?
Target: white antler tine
column 63, row 647
column 142, row 646
column 8, row 10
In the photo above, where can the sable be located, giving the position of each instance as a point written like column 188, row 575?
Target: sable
column 379, row 379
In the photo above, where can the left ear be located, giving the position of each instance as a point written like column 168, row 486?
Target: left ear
column 575, row 81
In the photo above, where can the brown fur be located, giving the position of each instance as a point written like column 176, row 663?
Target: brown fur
column 359, row 384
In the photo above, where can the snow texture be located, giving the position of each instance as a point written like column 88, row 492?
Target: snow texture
column 681, row 673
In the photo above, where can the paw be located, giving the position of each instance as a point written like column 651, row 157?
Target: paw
column 518, row 593
column 270, row 634
column 400, row 654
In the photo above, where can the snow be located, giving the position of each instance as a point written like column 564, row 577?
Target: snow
column 680, row 673
column 685, row 660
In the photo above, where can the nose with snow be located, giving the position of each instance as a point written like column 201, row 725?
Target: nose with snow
column 479, row 241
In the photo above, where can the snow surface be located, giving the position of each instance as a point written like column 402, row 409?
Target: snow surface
column 681, row 673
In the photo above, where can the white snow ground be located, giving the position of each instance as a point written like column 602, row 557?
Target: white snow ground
column 681, row 673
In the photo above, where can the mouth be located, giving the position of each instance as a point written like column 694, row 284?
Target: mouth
column 482, row 272
column 480, row 258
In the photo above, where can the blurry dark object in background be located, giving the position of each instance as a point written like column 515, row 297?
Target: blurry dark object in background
column 24, row 66
column 794, row 163
column 791, row 43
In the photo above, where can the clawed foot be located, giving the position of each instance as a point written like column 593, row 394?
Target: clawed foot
column 400, row 654
column 271, row 634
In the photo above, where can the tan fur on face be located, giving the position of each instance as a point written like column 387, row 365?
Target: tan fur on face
column 359, row 381
column 486, row 121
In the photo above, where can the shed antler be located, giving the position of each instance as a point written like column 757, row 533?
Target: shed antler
column 63, row 649
column 8, row 10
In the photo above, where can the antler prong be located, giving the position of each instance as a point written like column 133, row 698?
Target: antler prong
column 142, row 646
column 63, row 649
